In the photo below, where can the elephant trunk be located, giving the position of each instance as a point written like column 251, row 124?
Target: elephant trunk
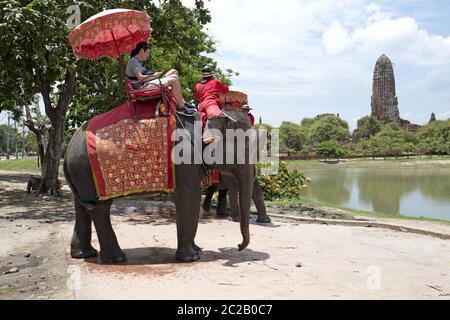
column 245, row 193
column 245, row 233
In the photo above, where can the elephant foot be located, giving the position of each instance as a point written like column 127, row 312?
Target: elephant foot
column 188, row 255
column 235, row 218
column 197, row 248
column 108, row 257
column 222, row 215
column 263, row 219
column 78, row 253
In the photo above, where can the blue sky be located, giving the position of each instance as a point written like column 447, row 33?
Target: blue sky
column 300, row 58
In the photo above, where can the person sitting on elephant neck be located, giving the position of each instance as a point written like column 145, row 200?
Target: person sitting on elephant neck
column 207, row 94
column 147, row 79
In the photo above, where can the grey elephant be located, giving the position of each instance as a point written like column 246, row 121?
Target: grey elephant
column 229, row 185
column 187, row 193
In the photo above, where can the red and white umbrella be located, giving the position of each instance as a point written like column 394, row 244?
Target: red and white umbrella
column 110, row 33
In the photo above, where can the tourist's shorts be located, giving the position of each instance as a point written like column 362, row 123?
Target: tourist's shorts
column 155, row 84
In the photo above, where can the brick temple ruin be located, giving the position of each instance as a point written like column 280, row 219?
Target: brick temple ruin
column 384, row 98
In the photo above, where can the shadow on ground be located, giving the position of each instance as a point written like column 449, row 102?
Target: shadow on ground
column 165, row 258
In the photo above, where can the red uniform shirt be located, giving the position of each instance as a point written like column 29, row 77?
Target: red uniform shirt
column 207, row 95
column 252, row 119
column 210, row 90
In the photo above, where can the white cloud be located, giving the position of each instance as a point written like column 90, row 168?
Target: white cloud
column 318, row 55
column 399, row 37
column 336, row 39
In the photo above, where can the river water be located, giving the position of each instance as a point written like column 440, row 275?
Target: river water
column 413, row 192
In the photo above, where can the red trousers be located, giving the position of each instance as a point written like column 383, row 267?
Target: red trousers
column 209, row 108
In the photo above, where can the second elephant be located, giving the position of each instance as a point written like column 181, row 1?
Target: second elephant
column 229, row 185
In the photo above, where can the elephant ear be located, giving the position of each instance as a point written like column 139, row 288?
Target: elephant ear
column 216, row 122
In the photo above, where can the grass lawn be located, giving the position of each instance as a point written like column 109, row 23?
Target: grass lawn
column 22, row 165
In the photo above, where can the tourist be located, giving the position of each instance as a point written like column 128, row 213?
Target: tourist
column 142, row 78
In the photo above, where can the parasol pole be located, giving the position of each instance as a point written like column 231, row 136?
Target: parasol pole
column 120, row 58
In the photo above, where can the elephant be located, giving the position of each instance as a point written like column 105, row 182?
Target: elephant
column 229, row 185
column 187, row 194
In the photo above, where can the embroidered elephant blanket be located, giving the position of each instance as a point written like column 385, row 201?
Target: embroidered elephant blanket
column 129, row 151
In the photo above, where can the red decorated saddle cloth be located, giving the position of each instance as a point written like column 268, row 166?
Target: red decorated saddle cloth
column 212, row 177
column 233, row 100
column 129, row 150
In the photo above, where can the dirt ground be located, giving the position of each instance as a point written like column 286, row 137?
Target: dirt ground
column 285, row 260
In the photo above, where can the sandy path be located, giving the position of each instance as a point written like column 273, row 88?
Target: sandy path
column 336, row 263
column 285, row 260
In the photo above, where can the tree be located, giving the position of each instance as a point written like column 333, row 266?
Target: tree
column 35, row 58
column 435, row 138
column 330, row 149
column 292, row 136
column 306, row 122
column 326, row 128
column 409, row 148
column 367, row 127
column 371, row 147
column 38, row 125
column 391, row 140
column 6, row 131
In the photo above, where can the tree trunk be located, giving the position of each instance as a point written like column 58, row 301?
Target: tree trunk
column 50, row 168
column 50, row 183
column 39, row 131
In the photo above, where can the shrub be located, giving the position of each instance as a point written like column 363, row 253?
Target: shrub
column 283, row 185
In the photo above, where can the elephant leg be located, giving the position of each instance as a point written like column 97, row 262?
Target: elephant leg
column 208, row 198
column 258, row 199
column 234, row 202
column 110, row 251
column 188, row 202
column 222, row 210
column 80, row 245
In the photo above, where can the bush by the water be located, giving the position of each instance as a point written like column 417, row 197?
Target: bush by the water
column 283, row 185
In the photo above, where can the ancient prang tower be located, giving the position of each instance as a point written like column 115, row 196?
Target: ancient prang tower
column 384, row 98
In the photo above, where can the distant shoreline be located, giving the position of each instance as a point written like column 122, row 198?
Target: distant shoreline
column 380, row 163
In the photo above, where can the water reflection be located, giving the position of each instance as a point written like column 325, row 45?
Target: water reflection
column 412, row 192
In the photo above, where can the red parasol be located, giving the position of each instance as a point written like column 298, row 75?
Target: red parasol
column 110, row 33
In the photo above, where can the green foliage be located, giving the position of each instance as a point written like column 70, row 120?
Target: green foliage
column 283, row 185
column 367, row 127
column 35, row 47
column 179, row 42
column 268, row 127
column 4, row 131
column 306, row 122
column 330, row 150
column 390, row 141
column 370, row 147
column 328, row 127
column 435, row 138
column 292, row 136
